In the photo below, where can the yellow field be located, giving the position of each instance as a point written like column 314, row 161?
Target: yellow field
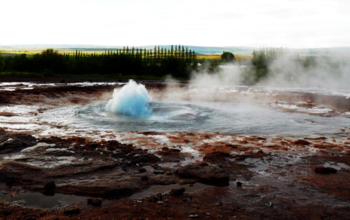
column 214, row 57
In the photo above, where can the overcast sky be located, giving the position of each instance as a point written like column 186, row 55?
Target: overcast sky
column 257, row 23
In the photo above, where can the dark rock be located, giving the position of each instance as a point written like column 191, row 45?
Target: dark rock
column 301, row 142
column 158, row 197
column 325, row 170
column 203, row 164
column 144, row 178
column 177, row 192
column 94, row 202
column 204, row 173
column 71, row 211
column 6, row 212
column 16, row 143
column 142, row 170
column 239, row 184
column 144, row 158
column 50, row 186
column 215, row 156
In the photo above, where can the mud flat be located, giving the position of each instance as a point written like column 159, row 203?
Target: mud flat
column 53, row 171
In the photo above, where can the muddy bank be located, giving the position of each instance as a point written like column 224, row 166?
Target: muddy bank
column 255, row 178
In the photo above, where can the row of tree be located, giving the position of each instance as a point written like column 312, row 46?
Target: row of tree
column 177, row 61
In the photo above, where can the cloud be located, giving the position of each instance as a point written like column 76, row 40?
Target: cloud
column 268, row 23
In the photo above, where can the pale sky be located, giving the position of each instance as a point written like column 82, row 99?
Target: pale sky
column 256, row 23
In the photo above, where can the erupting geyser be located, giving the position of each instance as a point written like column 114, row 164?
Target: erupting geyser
column 132, row 100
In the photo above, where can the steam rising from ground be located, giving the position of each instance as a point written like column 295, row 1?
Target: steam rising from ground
column 287, row 70
column 132, row 100
column 290, row 70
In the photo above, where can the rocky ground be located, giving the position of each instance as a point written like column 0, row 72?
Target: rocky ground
column 132, row 175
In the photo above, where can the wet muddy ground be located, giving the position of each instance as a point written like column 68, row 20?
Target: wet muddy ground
column 53, row 172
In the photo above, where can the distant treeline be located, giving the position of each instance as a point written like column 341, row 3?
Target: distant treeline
column 177, row 61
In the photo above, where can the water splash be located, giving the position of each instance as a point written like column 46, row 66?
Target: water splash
column 131, row 100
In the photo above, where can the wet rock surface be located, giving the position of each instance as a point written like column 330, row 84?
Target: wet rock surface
column 203, row 173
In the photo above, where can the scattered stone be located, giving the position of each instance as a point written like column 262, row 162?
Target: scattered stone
column 177, row 192
column 325, row 170
column 94, row 202
column 168, row 173
column 194, row 216
column 208, row 214
column 160, row 202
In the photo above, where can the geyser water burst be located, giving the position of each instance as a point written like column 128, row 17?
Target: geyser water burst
column 132, row 100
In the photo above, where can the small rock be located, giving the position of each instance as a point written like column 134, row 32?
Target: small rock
column 208, row 214
column 160, row 202
column 50, row 186
column 168, row 173
column 325, row 170
column 194, row 216
column 177, row 192
column 142, row 170
column 218, row 204
column 301, row 142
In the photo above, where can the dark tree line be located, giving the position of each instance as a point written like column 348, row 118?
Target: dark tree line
column 177, row 61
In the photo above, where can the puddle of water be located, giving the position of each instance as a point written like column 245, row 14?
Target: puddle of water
column 40, row 144
column 153, row 190
column 34, row 199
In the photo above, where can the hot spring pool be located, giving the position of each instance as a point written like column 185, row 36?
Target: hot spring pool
column 130, row 109
column 223, row 117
